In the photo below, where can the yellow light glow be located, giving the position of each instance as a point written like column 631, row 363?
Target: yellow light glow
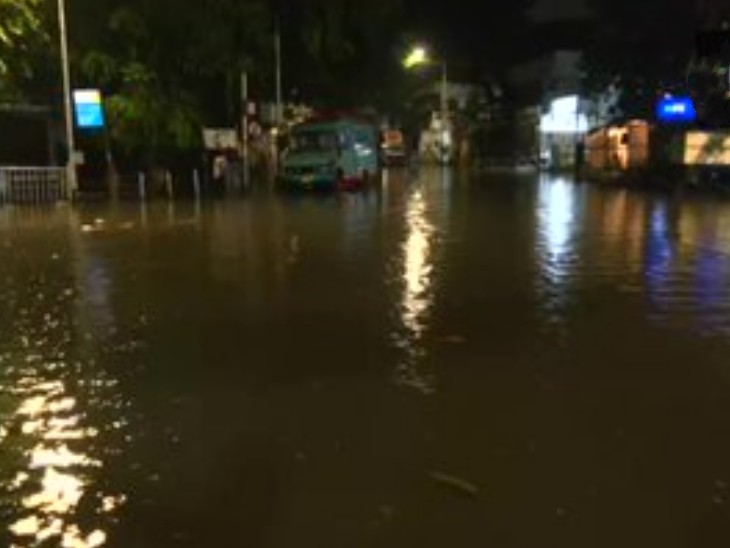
column 49, row 417
column 417, row 298
column 26, row 527
column 61, row 493
column 418, row 56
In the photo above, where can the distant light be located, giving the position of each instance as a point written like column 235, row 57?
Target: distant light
column 417, row 56
column 676, row 110
column 564, row 117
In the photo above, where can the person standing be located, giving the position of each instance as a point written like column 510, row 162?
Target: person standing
column 220, row 170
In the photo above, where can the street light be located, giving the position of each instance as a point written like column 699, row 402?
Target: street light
column 68, row 111
column 419, row 56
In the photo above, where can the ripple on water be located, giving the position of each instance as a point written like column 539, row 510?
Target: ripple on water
column 51, row 395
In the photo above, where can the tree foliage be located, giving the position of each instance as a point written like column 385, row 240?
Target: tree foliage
column 339, row 52
column 24, row 40
column 645, row 47
column 167, row 66
column 156, row 60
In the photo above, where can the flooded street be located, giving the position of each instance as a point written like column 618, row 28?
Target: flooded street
column 444, row 361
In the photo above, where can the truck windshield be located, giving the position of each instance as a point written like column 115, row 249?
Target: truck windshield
column 314, row 141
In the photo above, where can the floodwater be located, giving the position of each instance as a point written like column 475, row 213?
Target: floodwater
column 445, row 361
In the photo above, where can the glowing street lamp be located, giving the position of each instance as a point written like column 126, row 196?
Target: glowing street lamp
column 419, row 56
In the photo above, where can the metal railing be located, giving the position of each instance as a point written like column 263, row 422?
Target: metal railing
column 33, row 185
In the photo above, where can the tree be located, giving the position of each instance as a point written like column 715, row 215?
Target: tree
column 168, row 66
column 340, row 52
column 25, row 38
column 164, row 75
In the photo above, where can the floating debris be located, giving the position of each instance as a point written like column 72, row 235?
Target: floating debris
column 458, row 485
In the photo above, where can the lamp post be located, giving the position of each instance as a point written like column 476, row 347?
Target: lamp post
column 245, row 129
column 419, row 56
column 279, row 115
column 444, row 108
column 277, row 60
column 68, row 110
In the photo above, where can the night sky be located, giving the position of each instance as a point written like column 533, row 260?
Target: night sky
column 486, row 35
column 546, row 10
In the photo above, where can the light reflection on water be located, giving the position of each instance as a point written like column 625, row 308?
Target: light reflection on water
column 50, row 387
column 47, row 440
column 417, row 271
column 675, row 251
column 556, row 219
column 49, row 417
column 687, row 264
column 659, row 257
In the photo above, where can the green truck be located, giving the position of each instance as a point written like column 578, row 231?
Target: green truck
column 340, row 154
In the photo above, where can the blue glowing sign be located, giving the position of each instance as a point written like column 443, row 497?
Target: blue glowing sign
column 676, row 110
column 89, row 109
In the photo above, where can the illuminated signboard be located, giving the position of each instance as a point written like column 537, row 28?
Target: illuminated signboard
column 676, row 110
column 564, row 116
column 89, row 109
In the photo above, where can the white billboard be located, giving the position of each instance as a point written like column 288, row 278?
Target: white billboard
column 707, row 148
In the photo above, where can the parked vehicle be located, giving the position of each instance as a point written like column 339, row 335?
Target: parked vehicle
column 393, row 148
column 336, row 154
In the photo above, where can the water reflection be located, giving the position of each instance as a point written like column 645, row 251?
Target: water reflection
column 556, row 216
column 556, row 213
column 49, row 417
column 53, row 391
column 687, row 264
column 711, row 285
column 417, row 279
column 659, row 257
column 359, row 219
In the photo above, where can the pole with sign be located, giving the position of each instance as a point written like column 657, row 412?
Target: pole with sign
column 89, row 108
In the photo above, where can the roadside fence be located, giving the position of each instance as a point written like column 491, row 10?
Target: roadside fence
column 33, row 185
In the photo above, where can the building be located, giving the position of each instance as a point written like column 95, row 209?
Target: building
column 708, row 77
column 548, row 92
column 618, row 147
column 447, row 140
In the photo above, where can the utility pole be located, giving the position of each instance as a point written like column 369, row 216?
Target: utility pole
column 279, row 116
column 444, row 109
column 277, row 58
column 68, row 110
column 244, row 127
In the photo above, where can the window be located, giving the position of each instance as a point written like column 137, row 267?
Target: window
column 315, row 141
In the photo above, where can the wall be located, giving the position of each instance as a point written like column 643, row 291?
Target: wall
column 25, row 138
